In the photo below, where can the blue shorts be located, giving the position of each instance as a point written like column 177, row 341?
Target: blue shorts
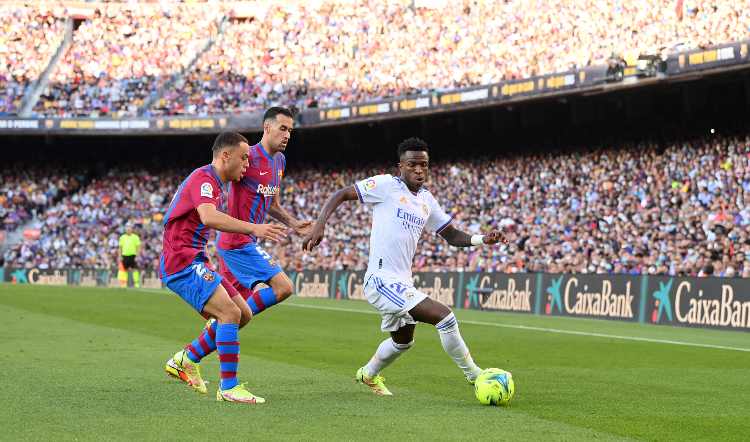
column 249, row 265
column 195, row 283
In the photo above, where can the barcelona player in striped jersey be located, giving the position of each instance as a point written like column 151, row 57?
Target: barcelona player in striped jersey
column 185, row 270
column 243, row 261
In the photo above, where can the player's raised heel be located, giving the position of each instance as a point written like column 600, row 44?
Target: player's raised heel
column 376, row 383
column 238, row 394
column 180, row 367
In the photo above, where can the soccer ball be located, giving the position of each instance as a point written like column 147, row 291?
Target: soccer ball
column 494, row 387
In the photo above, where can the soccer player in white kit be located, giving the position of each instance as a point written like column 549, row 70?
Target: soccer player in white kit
column 402, row 208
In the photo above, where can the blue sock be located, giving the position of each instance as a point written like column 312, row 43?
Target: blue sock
column 202, row 345
column 228, row 346
column 260, row 300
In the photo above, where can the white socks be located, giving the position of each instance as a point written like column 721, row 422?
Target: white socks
column 387, row 352
column 454, row 345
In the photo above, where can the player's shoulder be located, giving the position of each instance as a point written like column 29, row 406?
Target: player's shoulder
column 201, row 172
column 279, row 156
column 426, row 194
column 385, row 181
column 205, row 178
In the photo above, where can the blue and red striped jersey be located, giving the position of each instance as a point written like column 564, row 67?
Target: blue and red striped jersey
column 184, row 235
column 250, row 198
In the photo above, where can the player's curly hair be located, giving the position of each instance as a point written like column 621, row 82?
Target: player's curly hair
column 412, row 143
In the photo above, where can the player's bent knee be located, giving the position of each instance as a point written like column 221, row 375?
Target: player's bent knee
column 282, row 287
column 245, row 318
column 229, row 314
column 245, row 313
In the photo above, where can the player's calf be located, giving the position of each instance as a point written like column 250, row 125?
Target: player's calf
column 282, row 287
column 454, row 345
column 259, row 300
column 387, row 352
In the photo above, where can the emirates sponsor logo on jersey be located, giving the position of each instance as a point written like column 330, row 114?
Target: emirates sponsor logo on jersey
column 409, row 217
column 267, row 190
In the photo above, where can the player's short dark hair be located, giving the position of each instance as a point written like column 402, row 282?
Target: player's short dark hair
column 277, row 110
column 412, row 143
column 227, row 139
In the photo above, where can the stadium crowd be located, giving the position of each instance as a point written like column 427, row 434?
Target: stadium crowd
column 683, row 209
column 123, row 54
column 329, row 53
column 83, row 228
column 28, row 191
column 29, row 36
column 324, row 53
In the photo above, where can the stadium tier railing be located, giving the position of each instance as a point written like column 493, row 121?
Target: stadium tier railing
column 717, row 58
column 718, row 303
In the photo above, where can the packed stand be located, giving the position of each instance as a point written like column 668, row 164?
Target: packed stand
column 123, row 54
column 84, row 228
column 328, row 53
column 29, row 37
column 26, row 191
column 683, row 209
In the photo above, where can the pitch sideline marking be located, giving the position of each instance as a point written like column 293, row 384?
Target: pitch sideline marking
column 548, row 330
column 523, row 327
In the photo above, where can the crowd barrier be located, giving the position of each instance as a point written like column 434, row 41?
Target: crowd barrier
column 719, row 303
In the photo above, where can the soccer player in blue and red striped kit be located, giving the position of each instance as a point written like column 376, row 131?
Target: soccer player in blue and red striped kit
column 242, row 261
column 186, row 271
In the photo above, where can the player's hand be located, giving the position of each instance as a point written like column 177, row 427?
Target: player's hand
column 304, row 228
column 495, row 237
column 312, row 239
column 271, row 232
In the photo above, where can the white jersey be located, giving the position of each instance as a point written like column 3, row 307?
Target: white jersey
column 398, row 218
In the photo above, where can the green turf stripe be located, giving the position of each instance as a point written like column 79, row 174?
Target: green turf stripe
column 544, row 329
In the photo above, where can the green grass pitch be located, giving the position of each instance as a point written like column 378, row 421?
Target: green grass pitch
column 87, row 364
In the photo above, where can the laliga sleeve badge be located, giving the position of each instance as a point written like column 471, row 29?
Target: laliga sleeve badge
column 207, row 190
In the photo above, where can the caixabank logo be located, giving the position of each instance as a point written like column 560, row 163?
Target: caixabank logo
column 442, row 287
column 593, row 296
column 499, row 291
column 705, row 302
column 662, row 304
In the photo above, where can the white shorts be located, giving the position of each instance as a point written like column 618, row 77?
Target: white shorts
column 393, row 298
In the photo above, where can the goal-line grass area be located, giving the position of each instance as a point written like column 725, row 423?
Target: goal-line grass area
column 87, row 363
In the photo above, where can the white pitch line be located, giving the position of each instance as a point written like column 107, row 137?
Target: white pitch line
column 547, row 330
column 525, row 327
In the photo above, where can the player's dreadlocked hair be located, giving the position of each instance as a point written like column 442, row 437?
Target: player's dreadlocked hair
column 412, row 143
column 227, row 139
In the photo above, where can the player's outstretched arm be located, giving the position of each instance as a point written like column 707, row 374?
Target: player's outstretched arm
column 280, row 214
column 458, row 238
column 222, row 222
column 311, row 240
